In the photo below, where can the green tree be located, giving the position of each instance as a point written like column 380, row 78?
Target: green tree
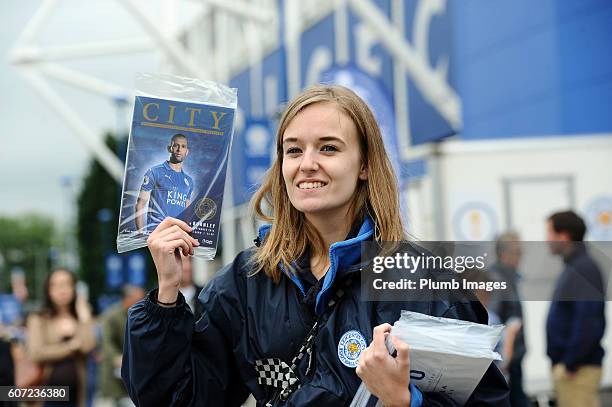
column 25, row 242
column 99, row 192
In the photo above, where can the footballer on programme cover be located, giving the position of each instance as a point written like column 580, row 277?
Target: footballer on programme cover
column 175, row 166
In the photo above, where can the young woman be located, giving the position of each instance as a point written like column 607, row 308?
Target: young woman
column 284, row 321
column 61, row 335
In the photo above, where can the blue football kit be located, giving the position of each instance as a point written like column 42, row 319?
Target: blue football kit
column 170, row 191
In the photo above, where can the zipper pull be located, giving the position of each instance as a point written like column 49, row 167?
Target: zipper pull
column 310, row 367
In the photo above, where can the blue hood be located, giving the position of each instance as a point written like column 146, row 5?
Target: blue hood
column 342, row 255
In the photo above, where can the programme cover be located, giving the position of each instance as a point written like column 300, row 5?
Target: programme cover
column 175, row 166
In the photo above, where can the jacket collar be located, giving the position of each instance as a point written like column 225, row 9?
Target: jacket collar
column 578, row 250
column 343, row 255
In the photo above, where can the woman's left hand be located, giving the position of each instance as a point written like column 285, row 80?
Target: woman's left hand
column 385, row 376
column 83, row 310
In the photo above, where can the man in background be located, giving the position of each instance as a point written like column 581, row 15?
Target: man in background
column 7, row 368
column 113, row 333
column 189, row 289
column 510, row 311
column 576, row 320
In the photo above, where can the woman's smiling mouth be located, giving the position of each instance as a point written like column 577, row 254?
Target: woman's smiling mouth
column 311, row 185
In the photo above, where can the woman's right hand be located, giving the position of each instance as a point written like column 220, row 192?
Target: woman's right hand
column 65, row 327
column 166, row 243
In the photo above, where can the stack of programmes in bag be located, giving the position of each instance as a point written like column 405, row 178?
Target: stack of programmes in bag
column 446, row 355
column 177, row 157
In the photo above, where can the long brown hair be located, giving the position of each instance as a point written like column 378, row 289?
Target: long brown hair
column 378, row 197
column 48, row 307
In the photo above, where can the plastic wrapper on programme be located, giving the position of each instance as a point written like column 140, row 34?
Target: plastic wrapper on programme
column 176, row 160
column 446, row 355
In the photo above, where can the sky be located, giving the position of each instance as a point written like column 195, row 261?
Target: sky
column 42, row 149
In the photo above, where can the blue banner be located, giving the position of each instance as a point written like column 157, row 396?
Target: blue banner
column 113, row 268
column 136, row 269
column 252, row 155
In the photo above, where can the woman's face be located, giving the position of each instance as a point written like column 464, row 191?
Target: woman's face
column 321, row 161
column 61, row 288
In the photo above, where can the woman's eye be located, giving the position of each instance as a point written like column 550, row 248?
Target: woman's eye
column 292, row 150
column 329, row 147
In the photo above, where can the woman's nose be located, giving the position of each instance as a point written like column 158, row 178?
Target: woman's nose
column 309, row 161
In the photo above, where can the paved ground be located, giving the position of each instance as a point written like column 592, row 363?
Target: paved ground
column 606, row 398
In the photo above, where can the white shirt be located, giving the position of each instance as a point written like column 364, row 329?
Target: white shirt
column 190, row 296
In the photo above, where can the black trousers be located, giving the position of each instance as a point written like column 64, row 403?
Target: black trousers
column 517, row 395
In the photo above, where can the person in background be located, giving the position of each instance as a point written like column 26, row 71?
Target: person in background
column 576, row 319
column 508, row 339
column 7, row 368
column 189, row 289
column 510, row 310
column 18, row 284
column 10, row 321
column 60, row 336
column 113, row 333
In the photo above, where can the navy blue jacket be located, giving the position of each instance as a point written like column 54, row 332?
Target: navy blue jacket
column 170, row 359
column 576, row 319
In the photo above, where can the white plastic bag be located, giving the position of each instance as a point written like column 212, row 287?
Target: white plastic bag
column 446, row 355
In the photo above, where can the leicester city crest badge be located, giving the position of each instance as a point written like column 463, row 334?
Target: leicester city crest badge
column 206, row 209
column 351, row 344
